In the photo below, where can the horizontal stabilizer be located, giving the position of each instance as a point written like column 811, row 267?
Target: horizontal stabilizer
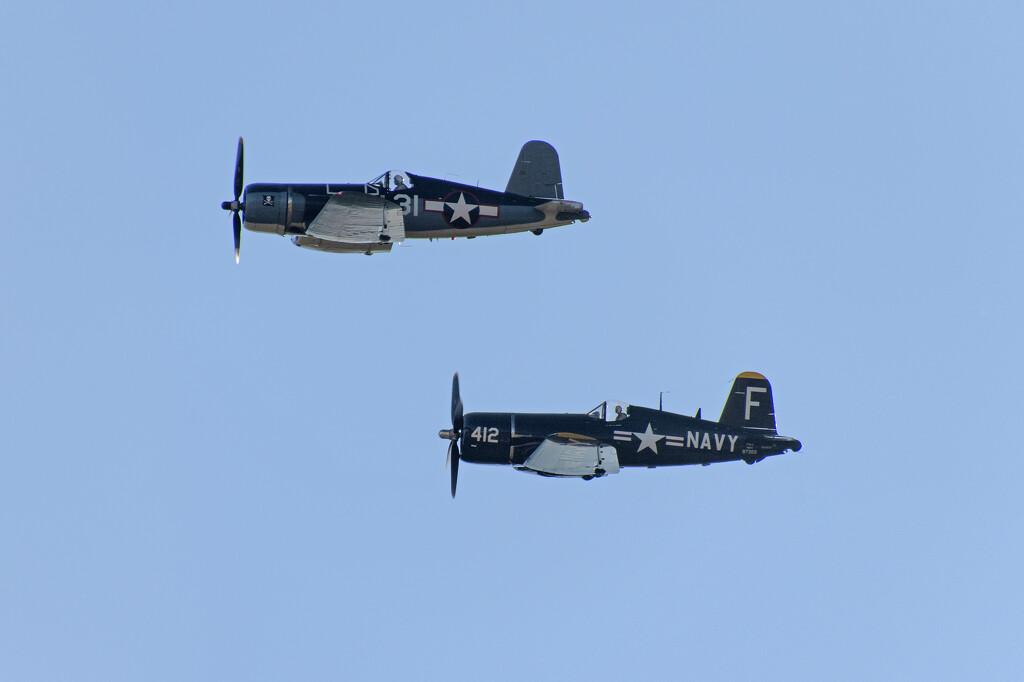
column 537, row 172
column 750, row 403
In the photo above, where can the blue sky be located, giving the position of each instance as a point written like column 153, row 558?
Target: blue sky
column 215, row 471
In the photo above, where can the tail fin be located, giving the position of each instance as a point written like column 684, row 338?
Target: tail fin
column 537, row 173
column 750, row 403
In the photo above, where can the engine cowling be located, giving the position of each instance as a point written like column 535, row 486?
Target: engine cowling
column 266, row 208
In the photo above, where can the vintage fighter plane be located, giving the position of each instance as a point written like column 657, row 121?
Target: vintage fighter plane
column 372, row 216
column 614, row 435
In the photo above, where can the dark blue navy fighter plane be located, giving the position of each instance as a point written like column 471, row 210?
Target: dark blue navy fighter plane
column 368, row 217
column 614, row 435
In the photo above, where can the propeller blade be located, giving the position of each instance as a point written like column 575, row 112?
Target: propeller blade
column 456, row 404
column 448, row 462
column 238, row 170
column 455, row 467
column 238, row 233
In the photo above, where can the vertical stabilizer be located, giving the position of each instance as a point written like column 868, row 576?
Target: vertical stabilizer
column 537, row 172
column 750, row 403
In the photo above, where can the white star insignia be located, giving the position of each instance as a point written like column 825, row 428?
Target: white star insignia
column 648, row 439
column 460, row 209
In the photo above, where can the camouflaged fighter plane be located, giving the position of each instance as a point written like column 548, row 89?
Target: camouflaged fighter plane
column 372, row 216
column 614, row 435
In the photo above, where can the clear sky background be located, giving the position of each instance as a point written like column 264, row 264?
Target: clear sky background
column 211, row 471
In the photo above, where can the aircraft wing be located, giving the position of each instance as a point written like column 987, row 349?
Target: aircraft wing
column 564, row 454
column 356, row 218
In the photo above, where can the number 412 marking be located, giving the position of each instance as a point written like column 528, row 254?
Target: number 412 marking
column 485, row 434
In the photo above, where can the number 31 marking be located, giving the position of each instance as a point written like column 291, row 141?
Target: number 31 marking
column 408, row 204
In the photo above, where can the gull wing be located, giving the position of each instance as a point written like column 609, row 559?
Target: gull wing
column 570, row 455
column 355, row 218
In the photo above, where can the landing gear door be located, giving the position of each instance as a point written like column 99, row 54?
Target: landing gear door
column 608, row 459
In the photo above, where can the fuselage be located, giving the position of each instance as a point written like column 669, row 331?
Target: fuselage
column 431, row 208
column 643, row 438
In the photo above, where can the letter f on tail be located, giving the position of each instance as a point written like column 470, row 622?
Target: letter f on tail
column 750, row 403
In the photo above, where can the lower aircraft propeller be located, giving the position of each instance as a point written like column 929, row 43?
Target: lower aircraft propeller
column 236, row 206
column 454, row 434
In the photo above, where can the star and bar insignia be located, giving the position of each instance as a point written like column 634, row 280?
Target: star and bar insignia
column 461, row 209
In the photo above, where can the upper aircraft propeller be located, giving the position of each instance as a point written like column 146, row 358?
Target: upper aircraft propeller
column 236, row 206
column 455, row 433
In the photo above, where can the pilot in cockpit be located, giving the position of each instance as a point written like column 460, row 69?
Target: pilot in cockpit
column 620, row 414
column 400, row 185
